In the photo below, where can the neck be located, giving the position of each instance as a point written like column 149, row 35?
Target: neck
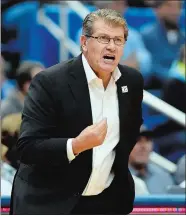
column 105, row 79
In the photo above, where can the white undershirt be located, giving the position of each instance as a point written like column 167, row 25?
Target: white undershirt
column 104, row 103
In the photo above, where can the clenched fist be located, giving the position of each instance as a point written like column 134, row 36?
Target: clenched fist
column 90, row 137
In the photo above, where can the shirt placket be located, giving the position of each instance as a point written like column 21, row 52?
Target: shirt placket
column 96, row 173
column 102, row 93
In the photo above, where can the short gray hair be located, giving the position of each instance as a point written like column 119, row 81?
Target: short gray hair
column 111, row 17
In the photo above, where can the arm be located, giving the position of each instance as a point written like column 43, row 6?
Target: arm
column 39, row 142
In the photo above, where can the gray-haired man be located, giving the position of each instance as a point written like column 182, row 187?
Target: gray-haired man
column 80, row 122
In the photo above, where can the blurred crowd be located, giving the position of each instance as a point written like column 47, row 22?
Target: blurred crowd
column 158, row 52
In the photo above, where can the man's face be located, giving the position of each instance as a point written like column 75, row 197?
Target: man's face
column 170, row 11
column 97, row 53
column 141, row 151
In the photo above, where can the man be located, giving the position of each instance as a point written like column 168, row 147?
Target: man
column 14, row 101
column 80, row 122
column 156, row 178
column 163, row 40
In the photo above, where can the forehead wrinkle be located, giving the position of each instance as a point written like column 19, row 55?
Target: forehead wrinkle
column 100, row 26
column 106, row 31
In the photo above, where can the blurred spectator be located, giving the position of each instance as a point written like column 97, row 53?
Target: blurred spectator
column 135, row 53
column 163, row 40
column 180, row 171
column 9, row 134
column 141, row 167
column 170, row 136
column 176, row 86
column 179, row 177
column 6, row 85
column 14, row 102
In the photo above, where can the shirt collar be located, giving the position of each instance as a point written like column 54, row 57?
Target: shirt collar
column 91, row 75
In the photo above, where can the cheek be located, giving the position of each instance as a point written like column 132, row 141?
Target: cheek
column 92, row 52
column 120, row 52
column 135, row 151
column 119, row 55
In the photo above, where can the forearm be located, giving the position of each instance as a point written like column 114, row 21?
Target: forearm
column 43, row 151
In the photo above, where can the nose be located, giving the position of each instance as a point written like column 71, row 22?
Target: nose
column 111, row 45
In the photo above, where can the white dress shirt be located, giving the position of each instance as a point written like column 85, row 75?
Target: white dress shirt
column 104, row 103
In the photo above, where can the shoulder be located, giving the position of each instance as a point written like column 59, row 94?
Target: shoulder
column 60, row 69
column 56, row 75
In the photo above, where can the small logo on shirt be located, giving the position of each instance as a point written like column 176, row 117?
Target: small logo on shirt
column 124, row 89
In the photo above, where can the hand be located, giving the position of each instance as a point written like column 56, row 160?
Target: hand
column 90, row 137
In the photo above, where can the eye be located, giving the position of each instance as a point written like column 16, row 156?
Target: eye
column 103, row 38
column 119, row 40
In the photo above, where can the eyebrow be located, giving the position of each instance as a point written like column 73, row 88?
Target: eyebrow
column 109, row 35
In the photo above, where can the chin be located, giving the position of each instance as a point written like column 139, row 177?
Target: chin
column 108, row 69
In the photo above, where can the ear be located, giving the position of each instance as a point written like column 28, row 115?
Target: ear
column 83, row 42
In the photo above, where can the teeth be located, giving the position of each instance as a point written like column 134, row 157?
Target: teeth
column 108, row 60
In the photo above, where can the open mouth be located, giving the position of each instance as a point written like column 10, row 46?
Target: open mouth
column 109, row 58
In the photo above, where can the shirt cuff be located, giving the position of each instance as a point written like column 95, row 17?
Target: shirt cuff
column 70, row 153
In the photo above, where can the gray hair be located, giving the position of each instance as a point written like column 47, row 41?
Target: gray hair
column 111, row 17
